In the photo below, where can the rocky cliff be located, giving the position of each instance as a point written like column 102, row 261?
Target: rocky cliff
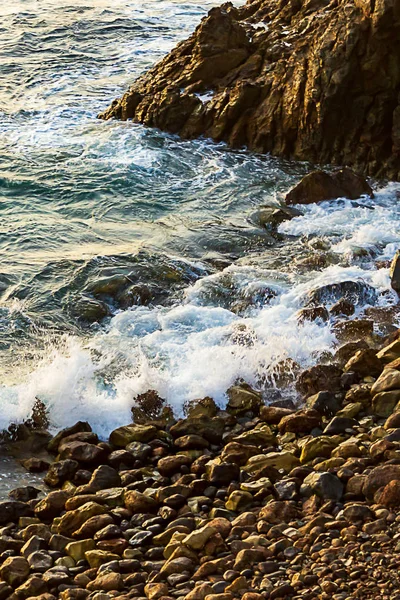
column 305, row 79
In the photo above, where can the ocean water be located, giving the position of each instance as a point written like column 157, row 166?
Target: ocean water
column 89, row 207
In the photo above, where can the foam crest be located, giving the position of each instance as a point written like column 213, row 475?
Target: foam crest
column 185, row 352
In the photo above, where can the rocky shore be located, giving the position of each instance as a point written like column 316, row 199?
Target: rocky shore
column 314, row 80
column 254, row 501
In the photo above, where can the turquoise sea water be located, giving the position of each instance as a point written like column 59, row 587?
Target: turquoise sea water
column 83, row 201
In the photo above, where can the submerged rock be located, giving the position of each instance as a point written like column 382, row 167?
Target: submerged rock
column 317, row 81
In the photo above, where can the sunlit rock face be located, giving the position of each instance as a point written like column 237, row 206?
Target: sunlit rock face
column 311, row 80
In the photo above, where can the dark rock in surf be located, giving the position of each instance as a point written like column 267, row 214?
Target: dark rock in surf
column 356, row 292
column 319, row 185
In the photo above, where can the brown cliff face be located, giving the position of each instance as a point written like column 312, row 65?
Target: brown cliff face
column 304, row 79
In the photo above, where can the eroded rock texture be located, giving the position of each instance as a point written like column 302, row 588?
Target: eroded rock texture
column 305, row 79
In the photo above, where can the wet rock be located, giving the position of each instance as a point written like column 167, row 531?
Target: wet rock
column 80, row 426
column 52, row 505
column 320, row 378
column 339, row 425
column 61, row 471
column 302, row 421
column 358, row 293
column 82, row 452
column 320, row 185
column 319, row 447
column 353, row 330
column 365, row 363
column 147, row 406
column 123, row 436
column 389, row 380
column 316, row 313
column 272, row 216
column 343, row 308
column 35, row 465
column 242, row 399
column 395, row 272
column 205, row 407
column 273, row 414
column 324, row 403
column 24, row 494
column 90, row 309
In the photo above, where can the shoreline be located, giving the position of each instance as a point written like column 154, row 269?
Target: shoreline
column 255, row 501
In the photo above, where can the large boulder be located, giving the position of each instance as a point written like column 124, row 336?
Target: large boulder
column 314, row 82
column 319, row 185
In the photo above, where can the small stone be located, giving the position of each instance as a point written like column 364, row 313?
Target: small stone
column 154, row 591
column 198, row 538
column 108, row 582
column 123, row 436
column 40, row 561
column 77, row 550
column 96, row 558
column 14, row 570
column 388, row 380
column 243, row 399
column 35, row 465
column 137, row 502
column 365, row 362
column 61, row 471
column 384, row 403
column 325, row 485
column 238, row 500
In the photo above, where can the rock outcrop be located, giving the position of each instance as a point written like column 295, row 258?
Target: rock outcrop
column 314, row 80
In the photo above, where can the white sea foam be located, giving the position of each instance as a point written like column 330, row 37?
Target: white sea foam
column 184, row 352
column 369, row 224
